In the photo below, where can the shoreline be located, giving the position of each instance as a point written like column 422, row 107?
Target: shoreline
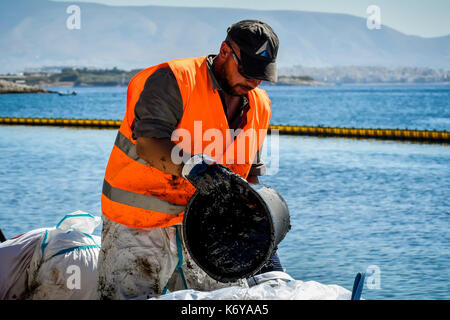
column 7, row 87
column 65, row 85
column 392, row 83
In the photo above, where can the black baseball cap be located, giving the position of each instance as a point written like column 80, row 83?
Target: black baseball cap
column 258, row 46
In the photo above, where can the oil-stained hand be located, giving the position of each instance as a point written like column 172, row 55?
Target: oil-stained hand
column 211, row 178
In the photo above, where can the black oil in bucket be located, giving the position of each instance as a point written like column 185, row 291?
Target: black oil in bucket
column 232, row 237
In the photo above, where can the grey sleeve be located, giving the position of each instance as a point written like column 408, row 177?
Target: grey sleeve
column 160, row 106
column 258, row 167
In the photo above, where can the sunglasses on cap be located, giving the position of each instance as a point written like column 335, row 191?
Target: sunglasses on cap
column 238, row 61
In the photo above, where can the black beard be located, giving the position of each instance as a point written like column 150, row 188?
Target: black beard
column 223, row 82
column 225, row 86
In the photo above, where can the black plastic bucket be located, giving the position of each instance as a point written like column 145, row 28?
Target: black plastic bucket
column 232, row 238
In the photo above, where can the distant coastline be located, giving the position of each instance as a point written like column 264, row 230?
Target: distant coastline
column 298, row 81
column 66, row 77
column 84, row 77
column 9, row 87
column 12, row 87
column 370, row 74
column 71, row 77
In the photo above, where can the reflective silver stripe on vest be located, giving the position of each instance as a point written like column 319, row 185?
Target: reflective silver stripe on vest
column 140, row 201
column 128, row 147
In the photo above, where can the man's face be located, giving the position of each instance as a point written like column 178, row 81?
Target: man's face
column 236, row 81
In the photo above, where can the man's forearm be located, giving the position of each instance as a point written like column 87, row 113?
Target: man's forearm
column 157, row 152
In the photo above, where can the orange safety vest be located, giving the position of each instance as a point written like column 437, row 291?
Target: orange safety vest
column 140, row 196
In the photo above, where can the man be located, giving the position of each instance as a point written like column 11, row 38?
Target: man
column 146, row 189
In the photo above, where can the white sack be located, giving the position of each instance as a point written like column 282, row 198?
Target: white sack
column 15, row 258
column 64, row 264
column 52, row 263
column 268, row 286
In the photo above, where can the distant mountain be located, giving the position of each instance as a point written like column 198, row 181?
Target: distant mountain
column 34, row 34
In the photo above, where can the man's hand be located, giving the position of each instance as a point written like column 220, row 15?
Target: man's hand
column 208, row 176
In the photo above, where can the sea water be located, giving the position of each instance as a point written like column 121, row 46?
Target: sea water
column 381, row 207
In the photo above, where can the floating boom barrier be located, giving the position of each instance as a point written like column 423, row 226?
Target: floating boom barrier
column 87, row 123
column 385, row 134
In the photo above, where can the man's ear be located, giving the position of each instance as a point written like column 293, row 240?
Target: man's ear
column 224, row 50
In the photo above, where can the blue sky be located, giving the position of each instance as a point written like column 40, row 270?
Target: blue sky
column 415, row 17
